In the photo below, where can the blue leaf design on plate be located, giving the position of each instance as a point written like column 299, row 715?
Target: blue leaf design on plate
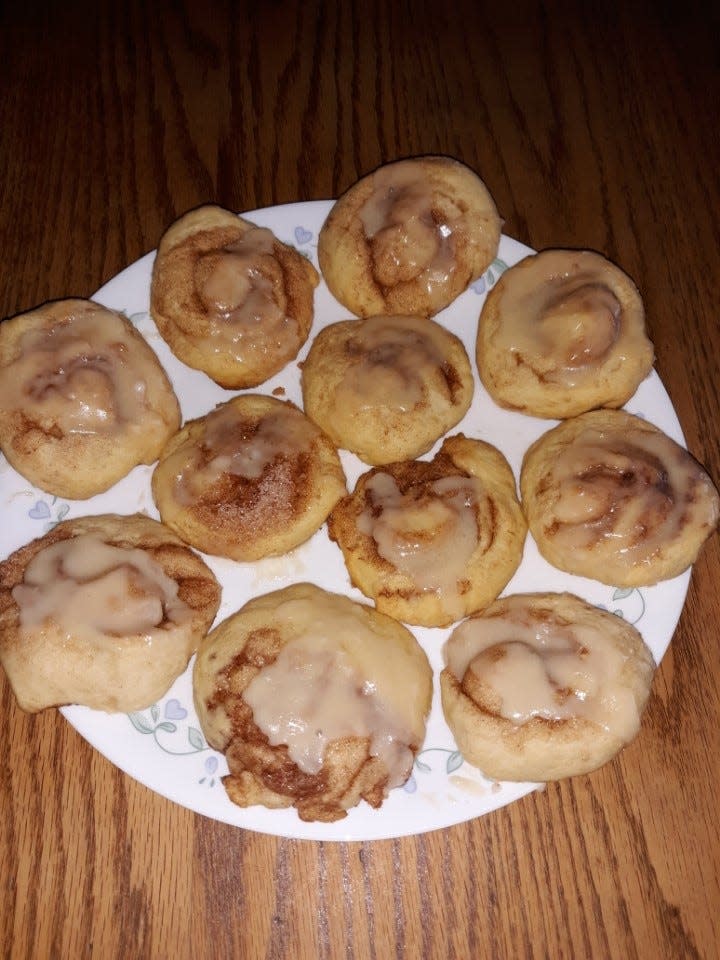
column 454, row 761
column 622, row 592
column 140, row 723
column 196, row 738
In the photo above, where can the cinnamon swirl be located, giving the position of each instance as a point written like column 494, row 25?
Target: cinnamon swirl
column 252, row 478
column 83, row 398
column 544, row 686
column 432, row 541
column 229, row 298
column 386, row 388
column 102, row 611
column 609, row 496
column 409, row 238
column 318, row 702
column 562, row 332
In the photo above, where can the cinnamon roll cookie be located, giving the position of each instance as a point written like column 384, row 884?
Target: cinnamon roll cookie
column 409, row 238
column 317, row 702
column 102, row 611
column 609, row 496
column 83, row 398
column 432, row 541
column 386, row 388
column 229, row 298
column 562, row 332
column 252, row 478
column 544, row 686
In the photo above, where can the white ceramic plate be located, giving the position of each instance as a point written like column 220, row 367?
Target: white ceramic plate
column 162, row 746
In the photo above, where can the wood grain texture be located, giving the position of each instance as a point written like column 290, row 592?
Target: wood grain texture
column 591, row 129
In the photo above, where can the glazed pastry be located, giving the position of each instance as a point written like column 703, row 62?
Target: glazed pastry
column 409, row 238
column 386, row 388
column 316, row 701
column 544, row 686
column 609, row 496
column 83, row 398
column 229, row 298
column 432, row 541
column 102, row 611
column 562, row 332
column 253, row 478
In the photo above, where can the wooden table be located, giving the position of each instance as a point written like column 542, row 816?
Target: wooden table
column 590, row 131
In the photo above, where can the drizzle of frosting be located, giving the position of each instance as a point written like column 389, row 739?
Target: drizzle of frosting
column 399, row 219
column 338, row 678
column 393, row 359
column 95, row 590
column 82, row 373
column 630, row 489
column 238, row 286
column 429, row 533
column 231, row 445
column 562, row 314
column 538, row 665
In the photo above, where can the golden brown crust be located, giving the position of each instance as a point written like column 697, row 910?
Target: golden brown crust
column 609, row 496
column 84, row 398
column 47, row 666
column 221, row 511
column 362, row 273
column 232, row 656
column 539, row 748
column 386, row 388
column 562, row 332
column 440, row 592
column 231, row 345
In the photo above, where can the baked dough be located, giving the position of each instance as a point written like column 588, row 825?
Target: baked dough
column 409, row 238
column 229, row 298
column 386, row 388
column 562, row 332
column 252, row 478
column 102, row 611
column 544, row 686
column 83, row 398
column 432, row 541
column 317, row 702
column 609, row 496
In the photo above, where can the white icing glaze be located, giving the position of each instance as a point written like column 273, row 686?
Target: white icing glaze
column 94, row 590
column 337, row 678
column 428, row 533
column 393, row 356
column 544, row 667
column 568, row 321
column 83, row 373
column 244, row 309
column 407, row 242
column 228, row 446
column 632, row 490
